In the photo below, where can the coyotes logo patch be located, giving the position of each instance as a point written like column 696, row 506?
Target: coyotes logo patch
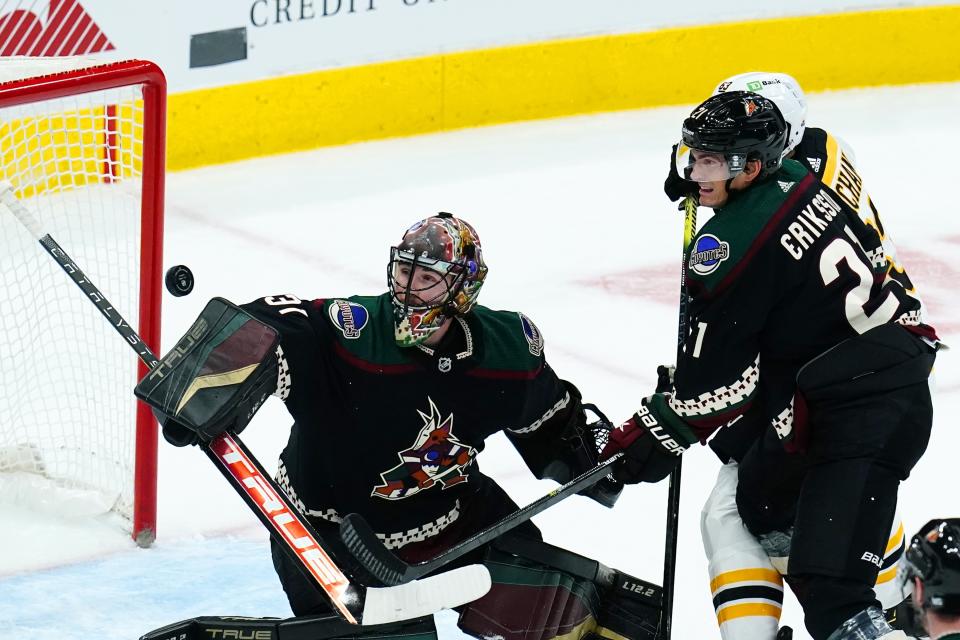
column 436, row 456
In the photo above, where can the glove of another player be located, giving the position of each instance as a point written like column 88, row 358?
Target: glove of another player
column 644, row 458
column 676, row 187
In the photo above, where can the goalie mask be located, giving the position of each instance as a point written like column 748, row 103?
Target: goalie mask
column 435, row 273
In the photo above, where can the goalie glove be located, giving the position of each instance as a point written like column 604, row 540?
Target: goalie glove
column 651, row 450
column 569, row 444
column 215, row 378
column 585, row 440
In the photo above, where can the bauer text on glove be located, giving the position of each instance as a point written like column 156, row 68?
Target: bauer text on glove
column 651, row 446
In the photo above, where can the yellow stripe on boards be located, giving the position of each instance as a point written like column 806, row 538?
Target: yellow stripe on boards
column 746, row 575
column 750, row 609
column 556, row 78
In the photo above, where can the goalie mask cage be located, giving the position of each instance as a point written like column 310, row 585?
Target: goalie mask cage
column 82, row 142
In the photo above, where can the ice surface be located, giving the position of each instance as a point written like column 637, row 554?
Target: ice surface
column 577, row 234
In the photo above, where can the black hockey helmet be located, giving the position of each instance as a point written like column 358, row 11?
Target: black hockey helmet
column 934, row 557
column 742, row 126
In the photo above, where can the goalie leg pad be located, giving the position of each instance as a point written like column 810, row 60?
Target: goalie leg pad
column 531, row 601
column 630, row 608
column 326, row 627
column 336, row 629
column 541, row 592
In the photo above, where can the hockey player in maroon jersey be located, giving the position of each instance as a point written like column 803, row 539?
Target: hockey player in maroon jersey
column 793, row 308
column 392, row 397
column 746, row 584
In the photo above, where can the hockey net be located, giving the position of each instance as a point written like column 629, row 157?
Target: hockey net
column 83, row 146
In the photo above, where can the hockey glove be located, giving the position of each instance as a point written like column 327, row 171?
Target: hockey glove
column 594, row 436
column 665, row 378
column 175, row 433
column 215, row 378
column 567, row 445
column 650, row 452
column 675, row 186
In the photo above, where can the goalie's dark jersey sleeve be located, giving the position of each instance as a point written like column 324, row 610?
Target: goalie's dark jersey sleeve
column 781, row 274
column 392, row 433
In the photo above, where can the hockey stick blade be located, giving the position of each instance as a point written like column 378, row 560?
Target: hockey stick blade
column 384, row 605
column 426, row 596
column 370, row 552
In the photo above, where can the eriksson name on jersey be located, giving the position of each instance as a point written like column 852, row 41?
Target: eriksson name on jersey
column 808, row 226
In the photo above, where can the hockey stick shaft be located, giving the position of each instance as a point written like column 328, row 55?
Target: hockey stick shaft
column 363, row 543
column 245, row 473
column 673, row 490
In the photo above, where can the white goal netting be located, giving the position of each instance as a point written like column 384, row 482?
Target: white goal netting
column 67, row 411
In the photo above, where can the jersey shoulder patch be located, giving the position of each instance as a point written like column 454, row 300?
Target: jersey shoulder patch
column 511, row 341
column 363, row 328
column 348, row 316
column 734, row 234
column 532, row 334
column 708, row 253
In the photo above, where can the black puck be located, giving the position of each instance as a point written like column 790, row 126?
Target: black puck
column 179, row 280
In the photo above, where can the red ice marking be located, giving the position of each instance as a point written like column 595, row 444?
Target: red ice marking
column 934, row 277
column 935, row 280
column 658, row 283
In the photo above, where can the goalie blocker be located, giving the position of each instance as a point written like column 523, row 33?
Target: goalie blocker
column 216, row 377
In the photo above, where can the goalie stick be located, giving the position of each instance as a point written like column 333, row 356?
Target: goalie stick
column 370, row 551
column 355, row 603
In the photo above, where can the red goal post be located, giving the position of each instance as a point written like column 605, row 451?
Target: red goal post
column 84, row 147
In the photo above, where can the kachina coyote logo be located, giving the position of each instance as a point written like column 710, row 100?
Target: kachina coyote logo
column 436, row 456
